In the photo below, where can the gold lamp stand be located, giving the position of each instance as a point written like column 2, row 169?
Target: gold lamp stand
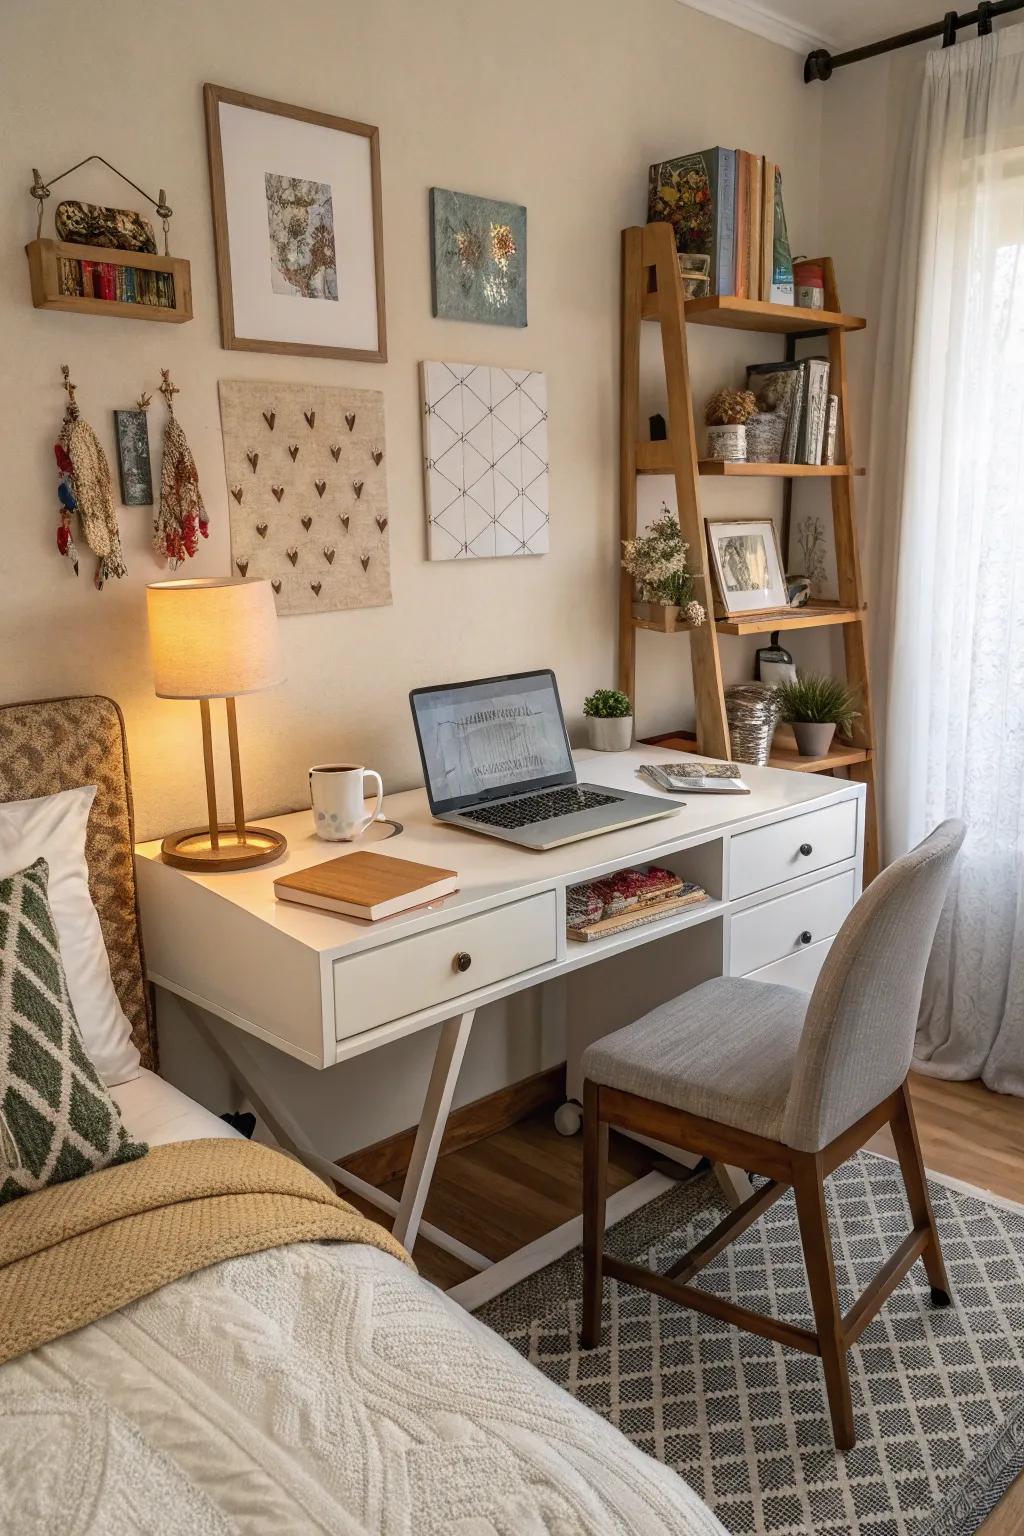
column 217, row 847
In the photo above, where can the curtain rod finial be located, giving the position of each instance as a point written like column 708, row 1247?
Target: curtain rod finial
column 818, row 66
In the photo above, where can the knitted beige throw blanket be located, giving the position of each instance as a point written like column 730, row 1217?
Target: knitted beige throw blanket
column 78, row 1251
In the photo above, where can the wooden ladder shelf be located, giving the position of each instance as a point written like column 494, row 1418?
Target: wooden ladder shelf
column 653, row 290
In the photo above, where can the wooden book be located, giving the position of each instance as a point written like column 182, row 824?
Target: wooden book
column 367, row 885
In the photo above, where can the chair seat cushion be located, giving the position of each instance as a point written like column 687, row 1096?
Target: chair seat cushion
column 724, row 1051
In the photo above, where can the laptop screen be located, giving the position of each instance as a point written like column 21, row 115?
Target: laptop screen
column 499, row 736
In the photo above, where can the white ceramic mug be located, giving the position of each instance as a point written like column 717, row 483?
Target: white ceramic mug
column 336, row 790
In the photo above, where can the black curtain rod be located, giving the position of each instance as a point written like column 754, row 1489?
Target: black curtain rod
column 820, row 64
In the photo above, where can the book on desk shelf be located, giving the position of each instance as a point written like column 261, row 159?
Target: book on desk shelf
column 366, row 885
column 696, row 778
column 629, row 898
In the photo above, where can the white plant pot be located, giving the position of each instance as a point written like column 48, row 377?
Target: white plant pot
column 611, row 735
column 728, row 443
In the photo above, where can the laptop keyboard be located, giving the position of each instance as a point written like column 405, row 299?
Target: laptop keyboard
column 529, row 809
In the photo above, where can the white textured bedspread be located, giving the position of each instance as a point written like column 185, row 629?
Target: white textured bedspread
column 312, row 1389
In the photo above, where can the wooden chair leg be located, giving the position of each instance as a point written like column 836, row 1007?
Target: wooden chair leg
column 809, row 1187
column 595, row 1181
column 908, row 1150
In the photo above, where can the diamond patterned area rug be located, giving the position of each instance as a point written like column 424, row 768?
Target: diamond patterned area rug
column 938, row 1395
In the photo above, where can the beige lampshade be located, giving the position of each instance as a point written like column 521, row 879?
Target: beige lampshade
column 213, row 639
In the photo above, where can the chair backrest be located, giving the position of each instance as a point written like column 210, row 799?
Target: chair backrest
column 858, row 1036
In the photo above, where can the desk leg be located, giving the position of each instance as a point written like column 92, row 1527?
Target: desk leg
column 249, row 1077
column 443, row 1077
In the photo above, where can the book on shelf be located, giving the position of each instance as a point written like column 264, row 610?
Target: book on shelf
column 696, row 194
column 831, row 430
column 689, row 895
column 625, row 899
column 776, row 257
column 85, row 279
column 813, row 406
column 778, row 389
column 749, row 175
column 696, row 778
column 366, row 885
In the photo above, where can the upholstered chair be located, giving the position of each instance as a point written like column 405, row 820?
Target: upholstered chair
column 788, row 1086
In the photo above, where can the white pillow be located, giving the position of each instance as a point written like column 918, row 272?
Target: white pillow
column 53, row 829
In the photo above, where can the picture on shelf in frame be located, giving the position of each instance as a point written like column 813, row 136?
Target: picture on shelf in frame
column 297, row 228
column 747, row 567
column 135, row 472
column 477, row 258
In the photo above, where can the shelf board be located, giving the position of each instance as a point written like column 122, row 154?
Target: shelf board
column 752, row 315
column 840, row 755
column 814, row 616
column 777, row 471
column 656, row 459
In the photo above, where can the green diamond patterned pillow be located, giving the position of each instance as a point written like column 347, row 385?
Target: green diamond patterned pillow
column 57, row 1120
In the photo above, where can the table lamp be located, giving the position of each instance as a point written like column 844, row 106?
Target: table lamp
column 216, row 639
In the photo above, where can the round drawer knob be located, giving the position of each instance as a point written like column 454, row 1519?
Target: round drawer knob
column 806, row 937
column 462, row 961
column 806, row 850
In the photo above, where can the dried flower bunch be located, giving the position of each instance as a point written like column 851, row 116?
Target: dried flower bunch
column 657, row 562
column 730, row 408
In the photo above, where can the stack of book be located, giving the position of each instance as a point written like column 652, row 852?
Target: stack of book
column 799, row 394
column 110, row 280
column 627, row 899
column 726, row 204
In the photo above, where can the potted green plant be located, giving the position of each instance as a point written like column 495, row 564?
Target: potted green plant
column 816, row 707
column 727, row 414
column 611, row 720
column 656, row 560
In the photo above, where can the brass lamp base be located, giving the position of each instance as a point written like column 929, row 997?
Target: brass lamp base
column 194, row 850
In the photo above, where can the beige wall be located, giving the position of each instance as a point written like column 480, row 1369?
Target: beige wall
column 559, row 104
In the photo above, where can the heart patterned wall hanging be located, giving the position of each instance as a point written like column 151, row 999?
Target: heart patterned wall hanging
column 313, row 458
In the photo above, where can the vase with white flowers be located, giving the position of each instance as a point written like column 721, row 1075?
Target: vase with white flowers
column 656, row 560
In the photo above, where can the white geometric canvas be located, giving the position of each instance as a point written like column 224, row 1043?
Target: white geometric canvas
column 485, row 441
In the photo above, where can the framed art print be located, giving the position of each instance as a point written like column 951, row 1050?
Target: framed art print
column 747, row 567
column 297, row 228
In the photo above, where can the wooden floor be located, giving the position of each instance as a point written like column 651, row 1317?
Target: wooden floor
column 512, row 1187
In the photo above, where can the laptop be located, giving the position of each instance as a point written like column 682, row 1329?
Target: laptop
column 496, row 759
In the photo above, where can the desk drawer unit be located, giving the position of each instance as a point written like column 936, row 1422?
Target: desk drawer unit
column 783, row 927
column 770, row 855
column 800, row 971
column 409, row 975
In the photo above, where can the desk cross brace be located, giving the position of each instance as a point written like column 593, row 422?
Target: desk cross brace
column 249, row 1077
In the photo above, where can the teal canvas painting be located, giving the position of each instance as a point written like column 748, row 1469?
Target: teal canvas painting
column 478, row 258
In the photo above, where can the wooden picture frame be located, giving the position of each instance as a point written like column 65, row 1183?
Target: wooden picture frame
column 759, row 536
column 251, row 279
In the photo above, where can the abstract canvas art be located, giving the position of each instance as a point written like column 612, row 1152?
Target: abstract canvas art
column 132, row 431
column 300, row 219
column 485, row 438
column 307, row 492
column 478, row 258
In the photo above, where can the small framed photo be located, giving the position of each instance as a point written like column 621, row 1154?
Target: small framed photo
column 131, row 429
column 748, row 569
column 297, row 228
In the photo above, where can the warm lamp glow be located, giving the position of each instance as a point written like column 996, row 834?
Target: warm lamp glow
column 213, row 639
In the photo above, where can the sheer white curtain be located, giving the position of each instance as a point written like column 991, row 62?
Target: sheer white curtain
column 946, row 541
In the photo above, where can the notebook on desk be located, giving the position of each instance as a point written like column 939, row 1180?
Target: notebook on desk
column 366, row 885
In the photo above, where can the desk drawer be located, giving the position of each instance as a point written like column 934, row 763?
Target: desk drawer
column 769, row 855
column 408, row 975
column 800, row 971
column 776, row 929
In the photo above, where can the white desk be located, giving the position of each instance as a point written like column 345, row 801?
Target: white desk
column 782, row 867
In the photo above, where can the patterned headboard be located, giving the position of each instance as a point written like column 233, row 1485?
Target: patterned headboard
column 57, row 744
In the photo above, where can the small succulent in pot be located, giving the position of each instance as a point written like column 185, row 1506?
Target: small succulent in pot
column 817, row 707
column 611, row 720
column 727, row 414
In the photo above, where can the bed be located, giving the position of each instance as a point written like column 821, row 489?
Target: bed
column 305, row 1387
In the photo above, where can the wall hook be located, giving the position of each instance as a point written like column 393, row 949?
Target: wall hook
column 167, row 389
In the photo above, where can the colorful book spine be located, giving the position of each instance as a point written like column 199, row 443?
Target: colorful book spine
column 831, row 430
column 88, row 279
column 696, row 194
column 105, row 280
